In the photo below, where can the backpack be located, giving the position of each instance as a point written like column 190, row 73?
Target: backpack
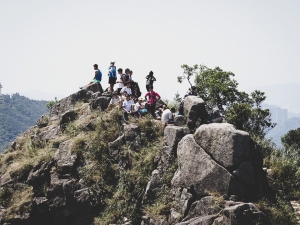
column 136, row 89
column 126, row 76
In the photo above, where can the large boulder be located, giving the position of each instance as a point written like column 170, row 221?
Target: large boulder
column 115, row 147
column 101, row 102
column 173, row 135
column 199, row 172
column 42, row 121
column 67, row 117
column 224, row 143
column 193, row 110
column 203, row 220
column 179, row 120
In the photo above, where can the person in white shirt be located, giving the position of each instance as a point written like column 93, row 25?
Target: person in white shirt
column 127, row 89
column 127, row 107
column 139, row 108
column 167, row 115
column 115, row 101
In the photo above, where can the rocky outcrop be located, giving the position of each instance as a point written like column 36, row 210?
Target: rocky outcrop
column 68, row 103
column 194, row 110
column 207, row 174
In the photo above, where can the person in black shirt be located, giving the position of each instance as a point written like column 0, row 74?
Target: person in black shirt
column 149, row 80
column 193, row 91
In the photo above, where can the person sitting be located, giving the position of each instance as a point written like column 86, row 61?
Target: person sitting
column 97, row 78
column 193, row 91
column 112, row 76
column 127, row 108
column 216, row 116
column 115, row 101
column 127, row 89
column 167, row 116
column 139, row 108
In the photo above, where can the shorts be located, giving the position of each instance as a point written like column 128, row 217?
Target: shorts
column 112, row 80
column 96, row 81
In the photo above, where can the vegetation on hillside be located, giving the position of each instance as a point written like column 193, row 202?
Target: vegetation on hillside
column 17, row 114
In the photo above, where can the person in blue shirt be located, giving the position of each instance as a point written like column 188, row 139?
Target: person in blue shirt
column 112, row 76
column 97, row 77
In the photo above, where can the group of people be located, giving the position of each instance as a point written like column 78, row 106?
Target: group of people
column 127, row 96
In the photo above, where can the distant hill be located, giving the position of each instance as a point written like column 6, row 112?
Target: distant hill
column 17, row 114
column 282, row 128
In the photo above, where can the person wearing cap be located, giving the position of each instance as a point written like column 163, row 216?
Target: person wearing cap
column 149, row 80
column 112, row 76
column 97, row 78
column 152, row 98
column 115, row 101
column 193, row 91
column 127, row 89
column 139, row 108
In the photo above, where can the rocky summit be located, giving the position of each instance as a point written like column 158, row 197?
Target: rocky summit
column 81, row 164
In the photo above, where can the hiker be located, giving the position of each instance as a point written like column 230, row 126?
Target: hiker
column 127, row 108
column 127, row 88
column 216, row 116
column 97, row 78
column 130, row 75
column 167, row 115
column 122, row 80
column 127, row 75
column 115, row 101
column 152, row 98
column 149, row 80
column 112, row 76
column 193, row 91
column 139, row 108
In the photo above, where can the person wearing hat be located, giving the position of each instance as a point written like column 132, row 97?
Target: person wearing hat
column 112, row 76
column 193, row 91
column 149, row 80
column 97, row 78
column 139, row 108
column 152, row 98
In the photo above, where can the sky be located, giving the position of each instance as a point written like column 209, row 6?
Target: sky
column 51, row 46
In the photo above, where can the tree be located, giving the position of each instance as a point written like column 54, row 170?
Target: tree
column 291, row 139
column 216, row 86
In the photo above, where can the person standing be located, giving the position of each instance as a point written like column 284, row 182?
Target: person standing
column 112, row 76
column 97, row 78
column 122, row 80
column 152, row 98
column 149, row 80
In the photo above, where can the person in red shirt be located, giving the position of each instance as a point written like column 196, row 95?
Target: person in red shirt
column 153, row 97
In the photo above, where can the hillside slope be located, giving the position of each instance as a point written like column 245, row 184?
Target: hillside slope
column 83, row 165
column 17, row 114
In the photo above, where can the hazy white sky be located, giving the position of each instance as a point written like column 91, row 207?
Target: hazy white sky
column 50, row 46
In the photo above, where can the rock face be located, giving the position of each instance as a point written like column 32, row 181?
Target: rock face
column 173, row 134
column 193, row 110
column 224, row 143
column 207, row 174
column 66, row 104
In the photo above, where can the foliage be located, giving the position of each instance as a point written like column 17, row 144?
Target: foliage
column 17, row 114
column 250, row 116
column 279, row 212
column 214, row 85
column 51, row 103
column 291, row 139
